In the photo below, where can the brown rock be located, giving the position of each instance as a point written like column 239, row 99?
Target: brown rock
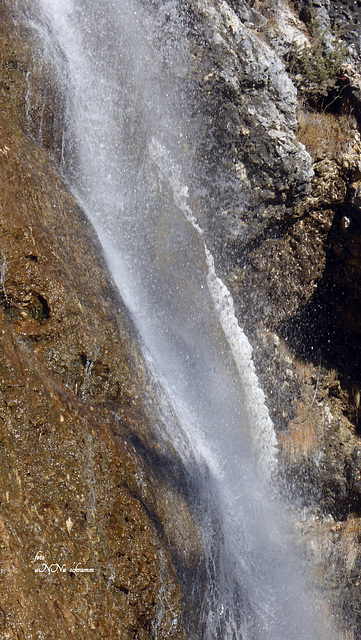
column 82, row 553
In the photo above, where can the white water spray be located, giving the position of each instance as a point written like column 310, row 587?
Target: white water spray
column 258, row 420
column 127, row 158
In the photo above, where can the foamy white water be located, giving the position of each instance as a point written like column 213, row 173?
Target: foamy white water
column 258, row 419
column 127, row 158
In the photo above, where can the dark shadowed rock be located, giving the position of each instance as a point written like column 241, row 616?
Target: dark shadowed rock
column 280, row 90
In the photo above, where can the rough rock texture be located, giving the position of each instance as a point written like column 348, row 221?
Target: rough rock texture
column 86, row 546
column 276, row 91
column 280, row 128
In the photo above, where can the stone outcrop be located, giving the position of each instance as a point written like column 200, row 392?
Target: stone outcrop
column 280, row 102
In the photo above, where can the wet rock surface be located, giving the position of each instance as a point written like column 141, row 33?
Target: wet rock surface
column 87, row 548
column 280, row 89
column 278, row 120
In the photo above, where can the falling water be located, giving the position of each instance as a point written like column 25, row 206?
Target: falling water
column 127, row 154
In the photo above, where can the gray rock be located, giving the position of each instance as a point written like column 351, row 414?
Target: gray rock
column 252, row 104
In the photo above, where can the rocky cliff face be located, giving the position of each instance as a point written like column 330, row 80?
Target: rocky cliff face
column 86, row 545
column 280, row 92
column 276, row 88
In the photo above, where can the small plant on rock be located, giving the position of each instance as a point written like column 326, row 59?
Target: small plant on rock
column 316, row 67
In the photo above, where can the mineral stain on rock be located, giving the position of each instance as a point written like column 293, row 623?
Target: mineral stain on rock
column 83, row 551
column 83, row 482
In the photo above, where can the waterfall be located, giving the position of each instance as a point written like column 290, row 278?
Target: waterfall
column 127, row 154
